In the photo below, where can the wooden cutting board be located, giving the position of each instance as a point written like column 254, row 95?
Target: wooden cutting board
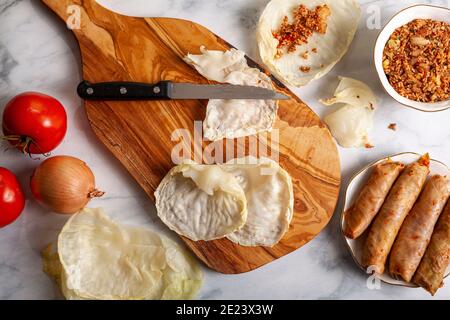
column 120, row 48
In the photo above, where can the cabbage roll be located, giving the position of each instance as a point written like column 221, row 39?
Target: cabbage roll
column 432, row 268
column 387, row 223
column 416, row 231
column 371, row 198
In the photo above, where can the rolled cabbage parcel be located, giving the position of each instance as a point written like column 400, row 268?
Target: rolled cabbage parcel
column 416, row 231
column 371, row 198
column 387, row 223
column 432, row 268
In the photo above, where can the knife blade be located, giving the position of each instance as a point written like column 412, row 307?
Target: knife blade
column 167, row 90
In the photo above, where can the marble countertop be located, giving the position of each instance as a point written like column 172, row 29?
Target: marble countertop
column 37, row 52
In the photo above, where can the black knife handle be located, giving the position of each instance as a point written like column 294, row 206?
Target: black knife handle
column 119, row 91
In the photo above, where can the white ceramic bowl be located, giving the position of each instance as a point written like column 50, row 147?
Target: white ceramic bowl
column 404, row 17
column 353, row 189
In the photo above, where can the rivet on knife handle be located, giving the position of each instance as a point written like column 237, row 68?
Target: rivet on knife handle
column 118, row 91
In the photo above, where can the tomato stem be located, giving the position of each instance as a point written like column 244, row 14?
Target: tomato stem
column 24, row 144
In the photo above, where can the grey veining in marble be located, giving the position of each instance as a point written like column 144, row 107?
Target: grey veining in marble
column 7, row 4
column 7, row 62
column 38, row 53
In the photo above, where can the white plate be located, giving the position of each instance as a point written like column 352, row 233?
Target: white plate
column 353, row 189
column 404, row 17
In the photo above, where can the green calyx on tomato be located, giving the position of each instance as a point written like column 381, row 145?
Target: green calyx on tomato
column 34, row 123
column 22, row 143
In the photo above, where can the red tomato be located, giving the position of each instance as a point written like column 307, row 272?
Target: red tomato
column 34, row 122
column 12, row 200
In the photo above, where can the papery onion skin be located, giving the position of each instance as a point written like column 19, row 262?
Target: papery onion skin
column 64, row 184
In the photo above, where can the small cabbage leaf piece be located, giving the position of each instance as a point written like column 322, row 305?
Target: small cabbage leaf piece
column 100, row 259
column 354, row 93
column 270, row 201
column 201, row 202
column 233, row 118
column 350, row 125
column 217, row 65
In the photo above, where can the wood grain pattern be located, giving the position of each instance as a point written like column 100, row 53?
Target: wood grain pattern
column 121, row 48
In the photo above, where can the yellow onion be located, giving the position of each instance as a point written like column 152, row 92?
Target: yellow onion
column 64, row 184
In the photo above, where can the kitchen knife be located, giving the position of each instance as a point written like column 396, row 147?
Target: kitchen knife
column 167, row 90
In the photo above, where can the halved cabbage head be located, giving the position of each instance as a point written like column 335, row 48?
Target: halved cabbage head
column 247, row 200
column 315, row 58
column 97, row 258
